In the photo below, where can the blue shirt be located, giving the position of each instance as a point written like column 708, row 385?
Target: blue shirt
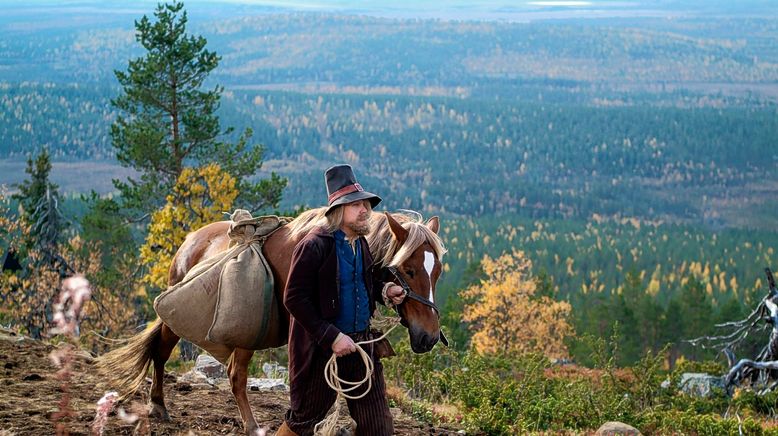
column 354, row 313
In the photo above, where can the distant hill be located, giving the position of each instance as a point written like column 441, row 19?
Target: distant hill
column 665, row 115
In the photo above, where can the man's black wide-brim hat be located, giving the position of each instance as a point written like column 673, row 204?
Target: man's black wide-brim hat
column 342, row 188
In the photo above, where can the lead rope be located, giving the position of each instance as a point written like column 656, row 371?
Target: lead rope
column 327, row 427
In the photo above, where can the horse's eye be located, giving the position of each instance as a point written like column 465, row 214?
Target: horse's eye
column 409, row 272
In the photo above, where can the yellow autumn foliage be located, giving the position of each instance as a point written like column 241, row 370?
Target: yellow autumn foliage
column 507, row 317
column 200, row 196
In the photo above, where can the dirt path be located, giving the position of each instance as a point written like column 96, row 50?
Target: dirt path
column 30, row 393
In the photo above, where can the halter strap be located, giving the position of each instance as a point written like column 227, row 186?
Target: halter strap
column 409, row 293
column 415, row 297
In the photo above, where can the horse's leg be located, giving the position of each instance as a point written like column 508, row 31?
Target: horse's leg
column 238, row 372
column 166, row 341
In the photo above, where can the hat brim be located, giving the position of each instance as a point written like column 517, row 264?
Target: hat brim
column 352, row 197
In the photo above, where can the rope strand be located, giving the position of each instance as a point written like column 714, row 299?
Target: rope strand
column 327, row 426
column 335, row 382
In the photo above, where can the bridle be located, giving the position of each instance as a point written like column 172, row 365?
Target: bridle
column 400, row 281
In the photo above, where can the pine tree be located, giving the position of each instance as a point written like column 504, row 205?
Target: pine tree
column 39, row 201
column 697, row 314
column 33, row 190
column 673, row 330
column 168, row 121
column 103, row 223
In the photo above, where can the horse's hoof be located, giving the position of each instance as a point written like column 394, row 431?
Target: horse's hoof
column 158, row 412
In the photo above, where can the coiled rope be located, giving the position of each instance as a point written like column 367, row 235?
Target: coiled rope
column 327, row 427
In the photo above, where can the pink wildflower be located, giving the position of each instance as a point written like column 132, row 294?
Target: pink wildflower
column 103, row 409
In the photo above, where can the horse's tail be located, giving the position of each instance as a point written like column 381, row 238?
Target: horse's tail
column 126, row 367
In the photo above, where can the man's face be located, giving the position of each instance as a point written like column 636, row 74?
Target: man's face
column 355, row 217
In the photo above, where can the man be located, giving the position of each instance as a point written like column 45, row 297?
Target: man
column 330, row 294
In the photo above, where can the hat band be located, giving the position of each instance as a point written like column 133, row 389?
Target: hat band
column 345, row 190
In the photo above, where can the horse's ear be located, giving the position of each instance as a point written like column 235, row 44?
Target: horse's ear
column 434, row 224
column 397, row 229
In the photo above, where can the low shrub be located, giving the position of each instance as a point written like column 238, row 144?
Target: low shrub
column 528, row 393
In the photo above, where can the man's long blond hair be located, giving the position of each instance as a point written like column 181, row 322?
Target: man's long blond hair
column 383, row 246
column 318, row 217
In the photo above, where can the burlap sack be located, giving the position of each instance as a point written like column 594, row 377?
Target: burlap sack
column 228, row 300
column 246, row 289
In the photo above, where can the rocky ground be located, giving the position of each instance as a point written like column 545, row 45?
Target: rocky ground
column 32, row 393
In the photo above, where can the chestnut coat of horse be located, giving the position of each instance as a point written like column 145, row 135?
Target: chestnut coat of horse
column 407, row 246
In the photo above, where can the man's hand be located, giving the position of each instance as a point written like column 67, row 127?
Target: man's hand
column 395, row 294
column 343, row 345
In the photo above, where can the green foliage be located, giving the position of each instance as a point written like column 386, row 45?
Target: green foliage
column 167, row 121
column 456, row 330
column 33, row 190
column 39, row 200
column 522, row 394
column 423, row 375
column 103, row 222
column 693, row 422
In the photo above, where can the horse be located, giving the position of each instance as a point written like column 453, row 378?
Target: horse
column 405, row 248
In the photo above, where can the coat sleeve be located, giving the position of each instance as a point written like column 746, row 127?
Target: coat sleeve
column 300, row 299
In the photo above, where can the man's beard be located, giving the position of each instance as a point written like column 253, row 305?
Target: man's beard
column 360, row 228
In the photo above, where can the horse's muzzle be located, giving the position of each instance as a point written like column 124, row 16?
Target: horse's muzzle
column 423, row 342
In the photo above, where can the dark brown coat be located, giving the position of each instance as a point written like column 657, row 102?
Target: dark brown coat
column 312, row 298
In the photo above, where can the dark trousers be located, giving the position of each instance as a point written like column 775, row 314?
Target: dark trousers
column 370, row 412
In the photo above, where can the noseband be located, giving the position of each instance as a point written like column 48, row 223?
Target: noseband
column 399, row 280
column 409, row 293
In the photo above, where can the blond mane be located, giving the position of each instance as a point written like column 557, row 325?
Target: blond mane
column 383, row 245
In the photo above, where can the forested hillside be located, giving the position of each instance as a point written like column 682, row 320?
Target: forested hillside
column 469, row 157
column 605, row 174
column 670, row 119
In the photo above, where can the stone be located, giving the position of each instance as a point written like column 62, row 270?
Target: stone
column 267, row 384
column 194, row 377
column 699, row 384
column 613, row 428
column 274, row 370
column 210, row 367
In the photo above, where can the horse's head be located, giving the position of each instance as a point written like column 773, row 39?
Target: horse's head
column 412, row 260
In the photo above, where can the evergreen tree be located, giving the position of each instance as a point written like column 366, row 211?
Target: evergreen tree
column 39, row 201
column 673, row 330
column 629, row 339
column 593, row 318
column 33, row 190
column 649, row 314
column 697, row 314
column 456, row 329
column 103, row 223
column 168, row 121
column 624, row 310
